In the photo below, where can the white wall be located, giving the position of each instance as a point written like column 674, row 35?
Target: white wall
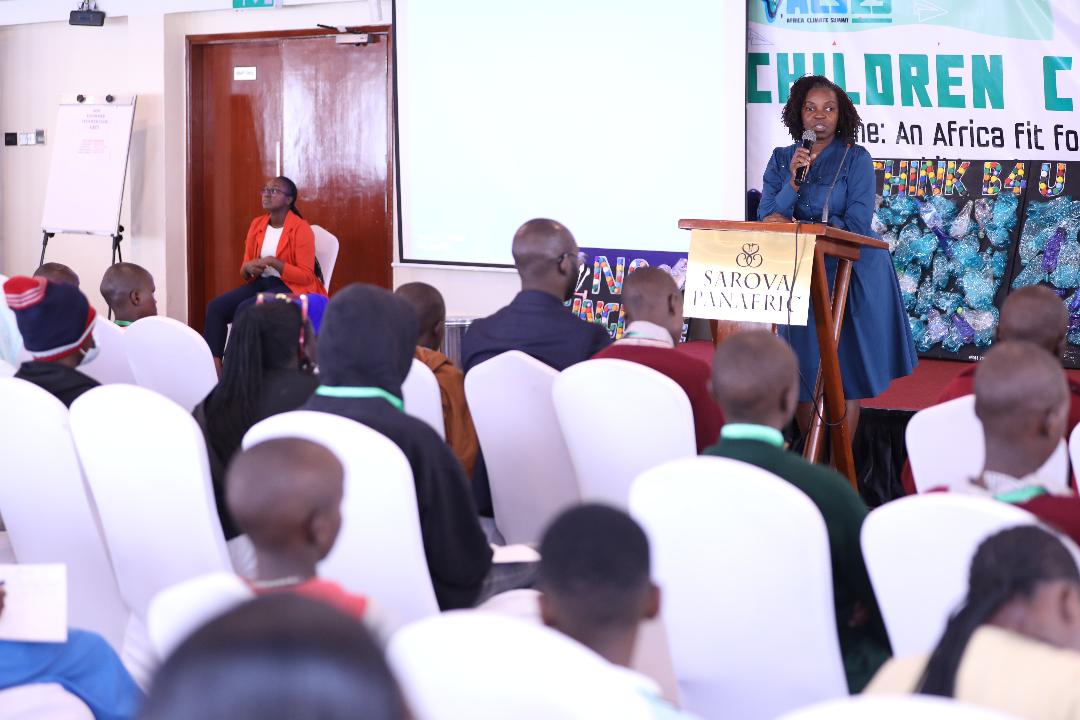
column 142, row 50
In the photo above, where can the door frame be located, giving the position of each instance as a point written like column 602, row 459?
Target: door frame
column 193, row 42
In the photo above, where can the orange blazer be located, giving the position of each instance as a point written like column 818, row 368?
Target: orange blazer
column 296, row 249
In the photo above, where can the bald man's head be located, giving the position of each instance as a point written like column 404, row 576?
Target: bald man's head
column 545, row 255
column 285, row 494
column 1022, row 399
column 57, row 273
column 1034, row 314
column 128, row 289
column 430, row 311
column 755, row 379
column 650, row 294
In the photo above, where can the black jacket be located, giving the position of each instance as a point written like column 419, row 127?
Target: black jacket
column 367, row 339
column 61, row 381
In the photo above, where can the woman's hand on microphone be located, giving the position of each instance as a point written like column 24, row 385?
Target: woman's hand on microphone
column 801, row 158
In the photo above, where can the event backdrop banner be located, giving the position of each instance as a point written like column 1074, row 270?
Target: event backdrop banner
column 951, row 227
column 968, row 110
column 931, row 79
column 598, row 291
column 1048, row 251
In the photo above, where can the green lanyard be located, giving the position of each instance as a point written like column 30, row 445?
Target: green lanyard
column 122, row 323
column 1021, row 495
column 344, row 391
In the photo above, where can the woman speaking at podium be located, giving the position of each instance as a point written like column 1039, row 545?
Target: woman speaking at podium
column 825, row 177
column 279, row 257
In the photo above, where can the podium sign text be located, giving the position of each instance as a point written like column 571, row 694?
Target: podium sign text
column 749, row 276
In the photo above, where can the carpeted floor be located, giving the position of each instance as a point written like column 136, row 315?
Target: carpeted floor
column 921, row 389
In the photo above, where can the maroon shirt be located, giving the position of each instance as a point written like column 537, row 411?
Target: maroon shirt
column 691, row 374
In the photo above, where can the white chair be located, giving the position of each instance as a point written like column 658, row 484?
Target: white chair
column 42, row 701
column 654, row 424
column 111, row 365
column 904, row 707
column 6, row 370
column 326, row 252
column 918, row 551
column 651, row 657
column 743, row 559
column 379, row 551
column 47, row 508
column 170, row 358
column 529, row 469
column 1074, row 455
column 934, row 435
column 422, row 397
column 180, row 610
column 145, row 462
column 477, row 665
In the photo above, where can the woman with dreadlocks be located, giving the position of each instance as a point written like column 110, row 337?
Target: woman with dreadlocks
column 268, row 370
column 1014, row 644
column 832, row 182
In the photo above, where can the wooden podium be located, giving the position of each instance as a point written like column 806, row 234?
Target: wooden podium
column 828, row 319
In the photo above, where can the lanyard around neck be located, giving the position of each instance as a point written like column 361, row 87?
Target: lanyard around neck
column 345, row 391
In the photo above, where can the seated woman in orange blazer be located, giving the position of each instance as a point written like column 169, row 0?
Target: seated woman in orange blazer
column 279, row 256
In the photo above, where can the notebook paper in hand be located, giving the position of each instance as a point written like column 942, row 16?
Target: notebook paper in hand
column 35, row 603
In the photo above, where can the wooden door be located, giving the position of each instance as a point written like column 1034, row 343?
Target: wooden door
column 317, row 110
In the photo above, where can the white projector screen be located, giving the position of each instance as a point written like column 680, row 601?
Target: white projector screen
column 616, row 119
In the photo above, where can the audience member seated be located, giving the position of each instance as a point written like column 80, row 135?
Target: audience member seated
column 596, row 587
column 755, row 378
column 286, row 497
column 268, row 370
column 85, row 666
column 1022, row 400
column 654, row 314
column 279, row 257
column 1014, row 645
column 537, row 322
column 10, row 339
column 128, row 290
column 430, row 310
column 1031, row 314
column 279, row 657
column 57, row 273
column 366, row 350
column 56, row 323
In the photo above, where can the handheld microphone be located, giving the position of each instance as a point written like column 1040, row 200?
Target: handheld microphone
column 808, row 138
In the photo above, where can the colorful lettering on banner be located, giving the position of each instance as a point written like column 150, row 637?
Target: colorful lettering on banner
column 1045, row 188
column 935, row 175
column 991, row 178
column 891, row 179
column 1016, row 180
column 613, row 279
column 913, row 177
column 902, row 184
column 954, row 173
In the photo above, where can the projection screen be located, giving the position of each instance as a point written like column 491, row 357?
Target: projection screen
column 616, row 119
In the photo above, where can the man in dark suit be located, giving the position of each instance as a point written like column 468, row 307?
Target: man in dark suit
column 537, row 322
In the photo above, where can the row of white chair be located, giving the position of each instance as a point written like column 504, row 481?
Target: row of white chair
column 743, row 560
column 553, row 439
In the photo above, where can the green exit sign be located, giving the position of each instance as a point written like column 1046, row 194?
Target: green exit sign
column 243, row 4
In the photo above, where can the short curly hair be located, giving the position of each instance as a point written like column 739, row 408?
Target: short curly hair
column 849, row 123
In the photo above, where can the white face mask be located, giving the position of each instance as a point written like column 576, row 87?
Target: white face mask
column 89, row 355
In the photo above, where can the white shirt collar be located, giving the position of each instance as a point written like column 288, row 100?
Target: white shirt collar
column 643, row 332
